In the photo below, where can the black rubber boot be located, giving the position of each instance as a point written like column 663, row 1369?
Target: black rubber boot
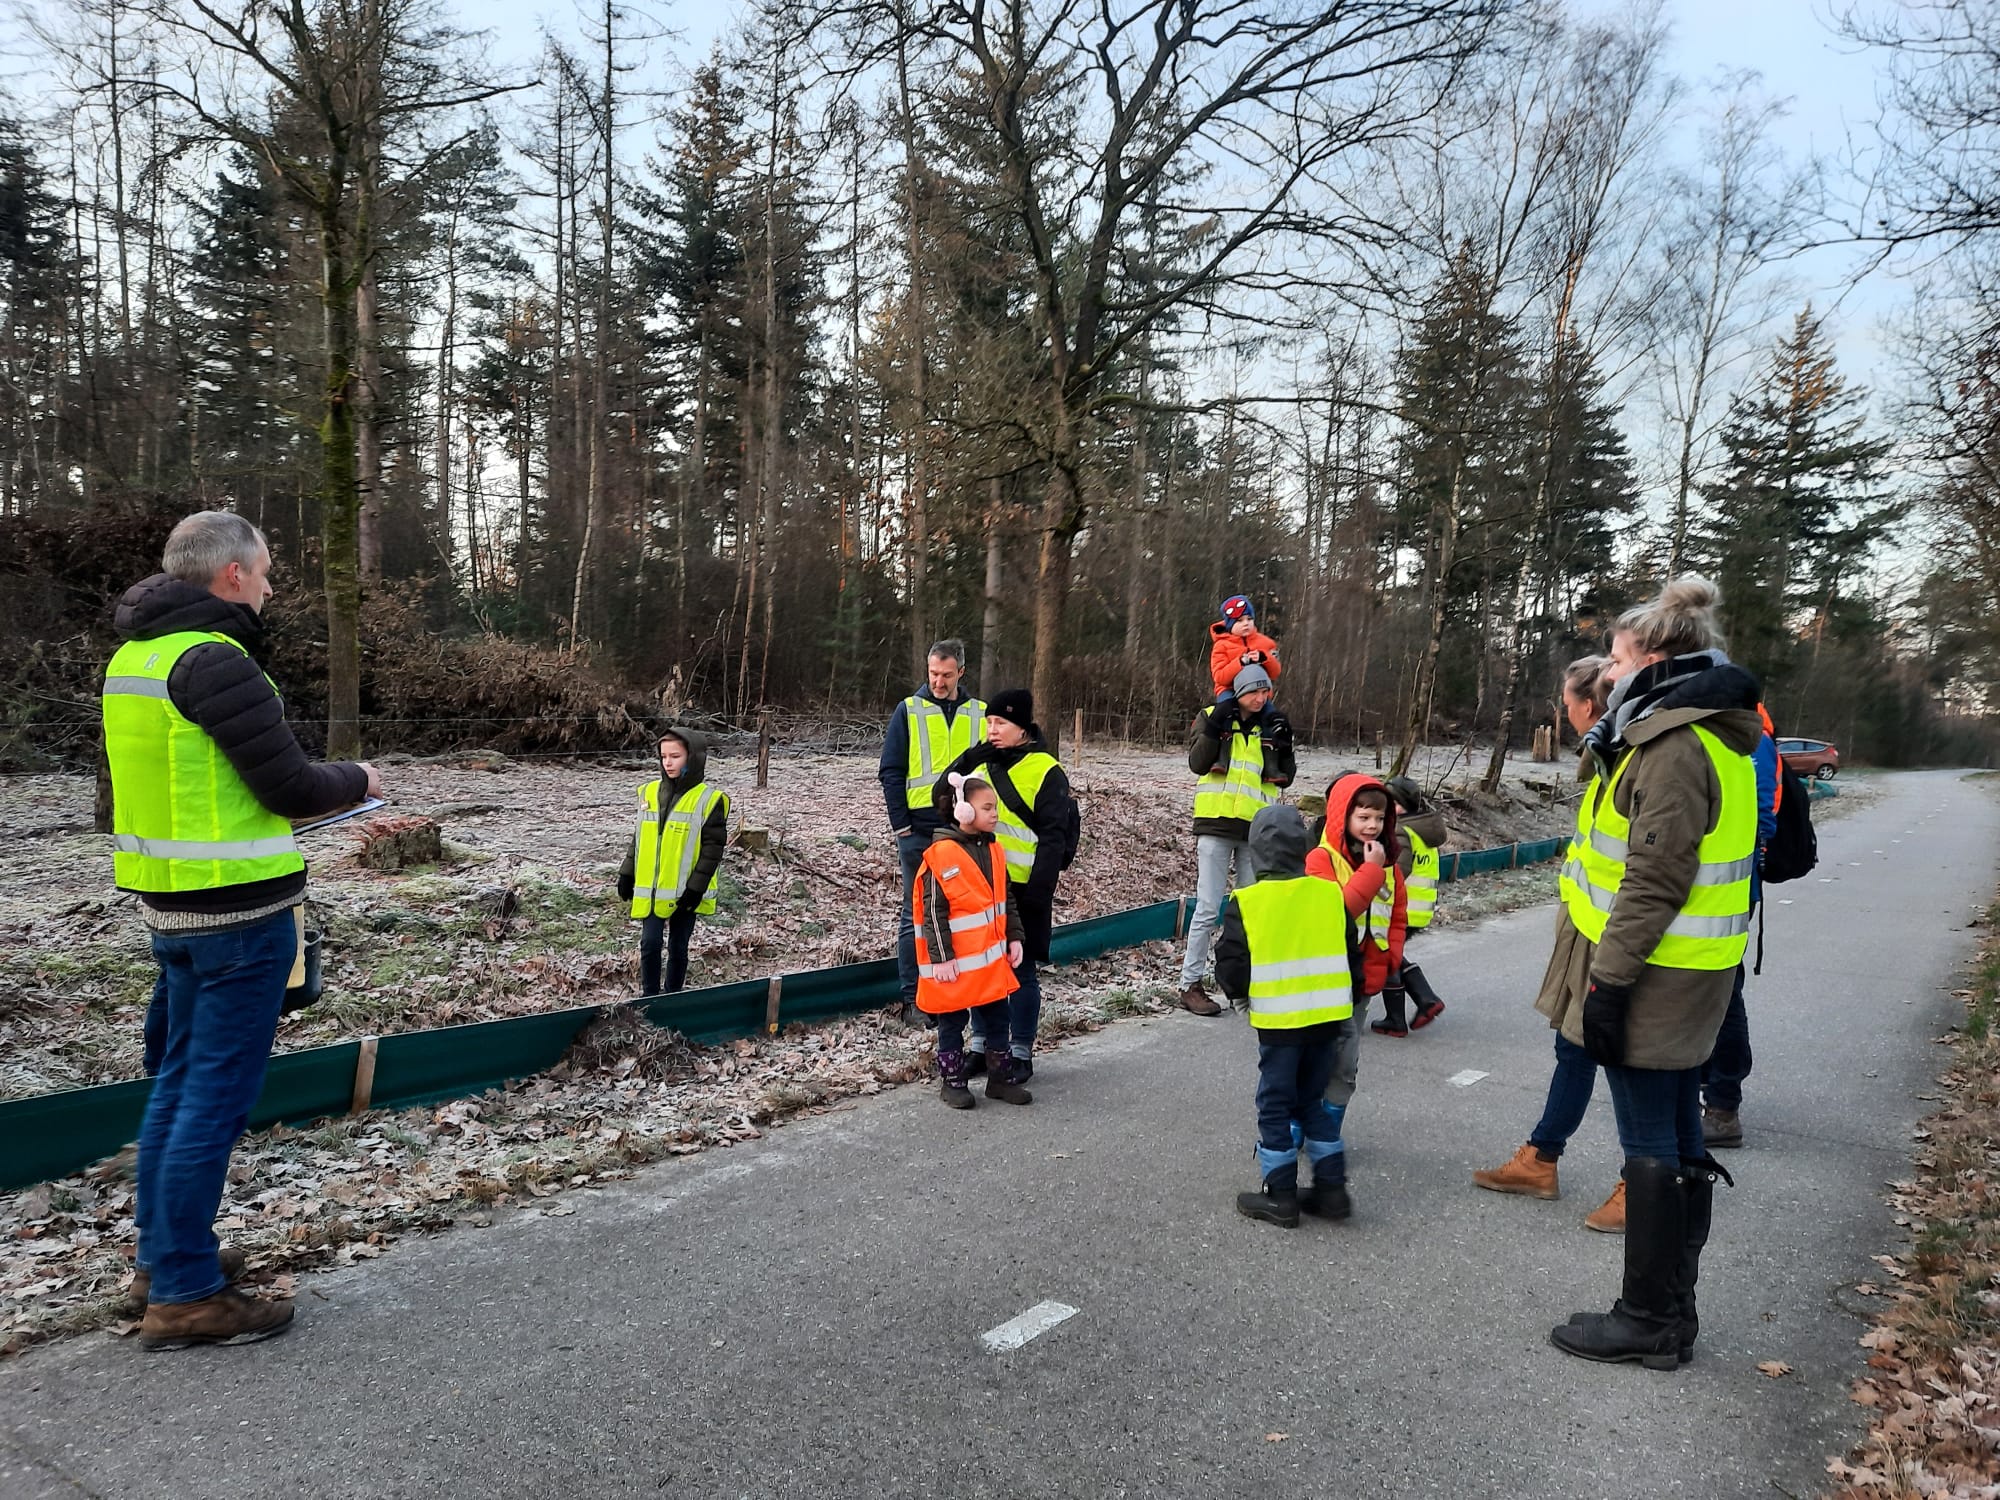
column 1392, row 1022
column 1277, row 1202
column 1327, row 1197
column 1000, row 1081
column 1428, row 1006
column 951, row 1072
column 1700, row 1190
column 1644, row 1325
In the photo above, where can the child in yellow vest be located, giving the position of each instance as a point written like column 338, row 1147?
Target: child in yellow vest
column 1284, row 950
column 1420, row 833
column 968, row 943
column 669, row 874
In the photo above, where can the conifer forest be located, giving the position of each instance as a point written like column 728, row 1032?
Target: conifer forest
column 642, row 367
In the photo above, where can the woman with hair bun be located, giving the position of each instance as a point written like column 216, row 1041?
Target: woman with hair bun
column 1656, row 917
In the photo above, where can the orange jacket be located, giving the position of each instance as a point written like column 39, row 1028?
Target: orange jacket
column 1361, row 883
column 1225, row 657
column 973, row 880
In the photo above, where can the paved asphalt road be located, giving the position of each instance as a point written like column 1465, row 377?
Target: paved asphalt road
column 802, row 1316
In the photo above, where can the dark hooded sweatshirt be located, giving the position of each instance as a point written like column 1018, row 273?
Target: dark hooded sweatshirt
column 1278, row 845
column 714, row 831
column 227, row 695
column 1034, row 898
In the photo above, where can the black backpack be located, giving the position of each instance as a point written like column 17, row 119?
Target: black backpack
column 1794, row 848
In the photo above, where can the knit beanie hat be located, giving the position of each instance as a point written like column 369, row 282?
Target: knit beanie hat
column 1238, row 607
column 1016, row 706
column 1250, row 679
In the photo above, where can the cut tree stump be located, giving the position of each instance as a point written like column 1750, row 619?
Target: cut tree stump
column 399, row 842
column 755, row 840
column 1311, row 804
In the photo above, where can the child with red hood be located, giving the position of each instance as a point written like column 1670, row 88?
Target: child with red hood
column 1353, row 852
column 1238, row 643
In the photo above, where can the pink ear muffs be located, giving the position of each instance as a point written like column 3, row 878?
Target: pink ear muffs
column 962, row 811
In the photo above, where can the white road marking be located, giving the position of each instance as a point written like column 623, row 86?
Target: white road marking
column 1784, row 901
column 1466, row 1079
column 1031, row 1324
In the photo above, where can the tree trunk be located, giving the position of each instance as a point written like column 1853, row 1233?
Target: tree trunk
column 367, row 429
column 989, row 622
column 913, row 334
column 339, row 489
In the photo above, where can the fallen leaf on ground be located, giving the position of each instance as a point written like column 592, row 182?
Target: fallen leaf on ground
column 1773, row 1368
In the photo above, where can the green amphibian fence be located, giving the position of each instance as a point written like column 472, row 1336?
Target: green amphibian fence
column 52, row 1135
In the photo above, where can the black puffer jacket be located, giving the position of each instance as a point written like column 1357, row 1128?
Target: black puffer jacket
column 227, row 694
column 1035, row 898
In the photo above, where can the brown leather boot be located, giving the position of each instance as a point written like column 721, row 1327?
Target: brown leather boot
column 228, row 1317
column 1195, row 998
column 140, row 1291
column 1525, row 1173
column 1609, row 1216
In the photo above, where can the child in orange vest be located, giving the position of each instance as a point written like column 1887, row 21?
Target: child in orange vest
column 1238, row 644
column 968, row 943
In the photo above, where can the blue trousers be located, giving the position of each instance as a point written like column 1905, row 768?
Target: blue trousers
column 1659, row 1111
column 1292, row 1111
column 155, row 1032
column 1723, row 1074
column 988, row 1021
column 224, row 992
column 1570, row 1087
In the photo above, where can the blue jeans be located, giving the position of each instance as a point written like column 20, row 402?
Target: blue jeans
column 1723, row 1074
column 155, row 1032
column 224, row 992
column 1024, row 1008
column 1570, row 1086
column 1659, row 1112
column 1292, row 1110
column 910, row 851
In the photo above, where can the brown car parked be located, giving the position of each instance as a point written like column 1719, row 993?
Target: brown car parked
column 1810, row 757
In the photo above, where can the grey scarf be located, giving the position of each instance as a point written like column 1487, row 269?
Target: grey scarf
column 1636, row 696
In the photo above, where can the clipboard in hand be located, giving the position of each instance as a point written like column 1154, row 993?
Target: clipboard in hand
column 327, row 820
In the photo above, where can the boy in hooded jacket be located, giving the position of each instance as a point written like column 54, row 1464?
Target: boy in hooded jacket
column 1236, row 643
column 669, row 873
column 1356, row 858
column 1283, row 951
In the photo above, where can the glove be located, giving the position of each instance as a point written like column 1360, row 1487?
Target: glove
column 1277, row 728
column 624, row 887
column 1604, row 1013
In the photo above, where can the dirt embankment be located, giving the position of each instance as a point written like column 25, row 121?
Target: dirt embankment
column 521, row 916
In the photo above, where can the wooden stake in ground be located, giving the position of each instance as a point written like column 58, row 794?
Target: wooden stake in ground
column 763, row 751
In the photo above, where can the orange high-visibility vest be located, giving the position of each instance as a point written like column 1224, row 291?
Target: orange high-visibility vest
column 977, row 892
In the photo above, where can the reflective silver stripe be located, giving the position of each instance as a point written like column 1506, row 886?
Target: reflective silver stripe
column 1298, row 968
column 1709, row 927
column 1728, row 872
column 976, row 920
column 1291, row 1004
column 1023, row 859
column 1580, row 878
column 131, row 843
column 136, row 687
column 971, row 961
column 651, row 893
column 1608, row 846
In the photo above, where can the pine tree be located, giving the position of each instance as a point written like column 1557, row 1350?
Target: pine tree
column 40, row 282
column 1799, row 510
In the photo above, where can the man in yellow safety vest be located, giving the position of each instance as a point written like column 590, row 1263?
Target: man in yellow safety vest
column 205, row 777
column 928, row 731
column 1242, row 751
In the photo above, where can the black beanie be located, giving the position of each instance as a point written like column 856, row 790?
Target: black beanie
column 1016, row 706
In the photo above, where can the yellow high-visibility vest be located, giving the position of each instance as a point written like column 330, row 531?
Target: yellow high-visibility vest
column 1235, row 786
column 934, row 744
column 1297, row 934
column 1382, row 907
column 1713, row 927
column 1016, row 838
column 669, row 846
column 1422, row 883
column 182, row 818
